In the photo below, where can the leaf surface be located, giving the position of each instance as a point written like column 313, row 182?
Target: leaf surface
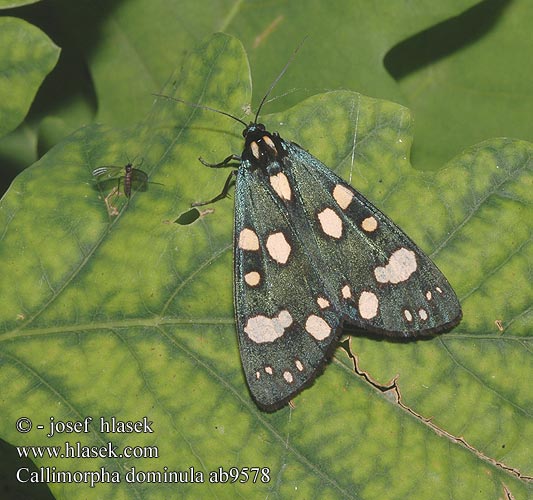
column 131, row 316
column 27, row 55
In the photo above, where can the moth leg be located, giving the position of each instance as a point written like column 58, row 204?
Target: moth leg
column 223, row 163
column 223, row 194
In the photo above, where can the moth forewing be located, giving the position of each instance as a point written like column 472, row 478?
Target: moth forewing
column 387, row 284
column 285, row 336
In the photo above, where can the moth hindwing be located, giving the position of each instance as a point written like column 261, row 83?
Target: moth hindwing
column 311, row 252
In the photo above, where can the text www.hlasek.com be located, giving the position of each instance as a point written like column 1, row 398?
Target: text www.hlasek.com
column 77, row 450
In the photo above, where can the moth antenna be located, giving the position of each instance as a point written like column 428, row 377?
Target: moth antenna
column 274, row 83
column 200, row 106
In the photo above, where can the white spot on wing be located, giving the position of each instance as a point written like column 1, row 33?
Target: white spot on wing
column 322, row 302
column 330, row 222
column 438, row 289
column 368, row 305
column 285, row 318
column 278, row 248
column 369, row 224
column 280, row 184
column 346, row 292
column 288, row 377
column 423, row 314
column 402, row 263
column 317, row 327
column 269, row 370
column 257, row 375
column 252, row 278
column 343, row 196
column 299, row 365
column 428, row 295
column 248, row 240
column 262, row 329
column 408, row 315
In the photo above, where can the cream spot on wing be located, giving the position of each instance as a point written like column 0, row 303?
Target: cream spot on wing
column 262, row 329
column 368, row 305
column 299, row 365
column 330, row 222
column 408, row 315
column 270, row 143
column 346, row 292
column 285, row 318
column 438, row 289
column 255, row 149
column 428, row 295
column 369, row 224
column 278, row 248
column 280, row 184
column 402, row 263
column 423, row 314
column 248, row 240
column 317, row 327
column 269, row 370
column 288, row 377
column 257, row 375
column 252, row 278
column 343, row 196
column 322, row 302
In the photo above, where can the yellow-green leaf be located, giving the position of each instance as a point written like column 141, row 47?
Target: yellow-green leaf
column 27, row 55
column 130, row 316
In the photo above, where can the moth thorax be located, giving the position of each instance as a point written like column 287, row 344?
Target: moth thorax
column 263, row 147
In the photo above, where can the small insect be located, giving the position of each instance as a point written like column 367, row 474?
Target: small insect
column 127, row 175
column 311, row 252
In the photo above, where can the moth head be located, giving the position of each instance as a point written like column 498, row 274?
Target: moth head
column 262, row 149
column 253, row 127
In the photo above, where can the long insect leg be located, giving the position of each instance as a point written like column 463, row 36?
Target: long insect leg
column 222, row 195
column 223, row 163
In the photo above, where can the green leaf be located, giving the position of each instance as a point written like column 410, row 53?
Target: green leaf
column 130, row 50
column 346, row 43
column 469, row 79
column 131, row 316
column 27, row 55
column 9, row 4
column 457, row 64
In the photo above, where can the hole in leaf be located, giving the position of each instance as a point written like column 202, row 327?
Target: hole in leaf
column 188, row 217
column 192, row 215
